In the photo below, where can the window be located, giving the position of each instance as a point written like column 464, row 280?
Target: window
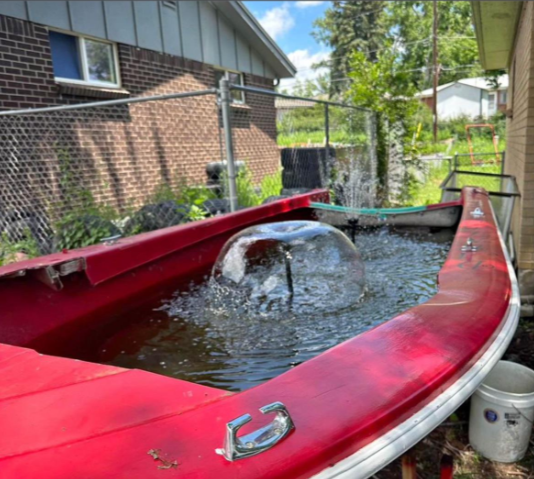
column 84, row 60
column 504, row 97
column 491, row 103
column 235, row 79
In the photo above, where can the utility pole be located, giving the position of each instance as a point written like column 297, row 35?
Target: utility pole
column 436, row 70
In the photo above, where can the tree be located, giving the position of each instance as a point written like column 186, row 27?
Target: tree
column 404, row 28
column 382, row 85
column 348, row 27
column 409, row 26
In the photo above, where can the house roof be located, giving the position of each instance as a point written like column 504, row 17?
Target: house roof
column 478, row 82
column 495, row 29
column 249, row 26
column 220, row 33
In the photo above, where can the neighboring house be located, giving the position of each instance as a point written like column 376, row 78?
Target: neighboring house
column 59, row 52
column 473, row 97
column 505, row 35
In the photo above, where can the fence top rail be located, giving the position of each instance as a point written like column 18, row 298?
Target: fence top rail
column 122, row 101
column 479, row 154
column 262, row 91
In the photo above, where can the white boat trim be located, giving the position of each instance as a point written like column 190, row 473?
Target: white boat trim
column 376, row 455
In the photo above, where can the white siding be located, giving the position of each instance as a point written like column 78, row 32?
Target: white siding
column 459, row 100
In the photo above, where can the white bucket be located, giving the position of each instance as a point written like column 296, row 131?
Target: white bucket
column 502, row 413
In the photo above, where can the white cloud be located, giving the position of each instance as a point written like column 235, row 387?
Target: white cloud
column 277, row 21
column 306, row 4
column 303, row 61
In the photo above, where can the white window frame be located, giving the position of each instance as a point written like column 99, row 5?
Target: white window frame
column 80, row 43
column 241, row 82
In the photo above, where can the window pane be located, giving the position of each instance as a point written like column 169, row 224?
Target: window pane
column 65, row 57
column 234, row 78
column 237, row 96
column 100, row 63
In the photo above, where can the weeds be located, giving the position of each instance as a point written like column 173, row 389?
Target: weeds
column 9, row 250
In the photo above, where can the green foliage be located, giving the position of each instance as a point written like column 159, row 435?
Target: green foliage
column 382, row 86
column 306, row 125
column 182, row 193
column 80, row 228
column 196, row 213
column 348, row 27
column 81, row 220
column 409, row 24
column 9, row 249
column 404, row 30
column 247, row 194
column 271, row 185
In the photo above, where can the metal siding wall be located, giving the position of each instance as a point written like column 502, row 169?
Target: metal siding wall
column 195, row 30
column 148, row 25
column 257, row 63
column 13, row 9
column 243, row 56
column 227, row 43
column 120, row 22
column 53, row 14
column 88, row 17
column 209, row 32
column 269, row 72
column 190, row 25
column 171, row 30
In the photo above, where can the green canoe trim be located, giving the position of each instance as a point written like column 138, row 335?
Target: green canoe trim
column 368, row 211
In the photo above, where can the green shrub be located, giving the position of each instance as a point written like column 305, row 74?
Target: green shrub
column 9, row 249
column 246, row 192
column 271, row 185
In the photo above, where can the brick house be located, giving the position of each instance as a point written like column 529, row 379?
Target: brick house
column 505, row 35
column 57, row 53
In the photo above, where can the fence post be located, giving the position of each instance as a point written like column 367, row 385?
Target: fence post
column 326, row 127
column 224, row 86
column 503, row 158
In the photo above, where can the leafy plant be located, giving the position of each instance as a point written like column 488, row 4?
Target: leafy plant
column 246, row 192
column 79, row 229
column 271, row 185
column 196, row 213
column 9, row 249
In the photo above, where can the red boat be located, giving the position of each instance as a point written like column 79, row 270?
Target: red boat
column 346, row 413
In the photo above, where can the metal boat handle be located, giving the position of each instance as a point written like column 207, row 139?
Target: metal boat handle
column 260, row 440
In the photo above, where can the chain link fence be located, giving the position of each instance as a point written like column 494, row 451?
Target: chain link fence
column 74, row 175
column 327, row 145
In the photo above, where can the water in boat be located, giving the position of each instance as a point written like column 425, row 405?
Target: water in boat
column 233, row 338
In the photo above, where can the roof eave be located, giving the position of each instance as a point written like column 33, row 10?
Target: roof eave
column 495, row 53
column 266, row 46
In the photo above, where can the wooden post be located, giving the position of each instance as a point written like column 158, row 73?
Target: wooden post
column 436, row 70
column 409, row 464
column 446, row 467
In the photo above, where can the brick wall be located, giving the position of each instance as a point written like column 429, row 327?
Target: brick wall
column 520, row 141
column 120, row 153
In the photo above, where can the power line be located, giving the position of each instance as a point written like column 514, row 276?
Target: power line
column 420, row 69
column 401, row 45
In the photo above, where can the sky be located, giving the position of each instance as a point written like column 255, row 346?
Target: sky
column 290, row 24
